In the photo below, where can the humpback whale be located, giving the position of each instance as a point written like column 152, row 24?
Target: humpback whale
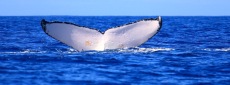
column 83, row 39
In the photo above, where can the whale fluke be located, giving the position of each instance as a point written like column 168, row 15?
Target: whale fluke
column 83, row 38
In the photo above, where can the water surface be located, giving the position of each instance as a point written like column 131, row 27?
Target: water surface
column 187, row 50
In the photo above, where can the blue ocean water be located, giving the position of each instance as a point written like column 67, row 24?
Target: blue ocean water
column 187, row 50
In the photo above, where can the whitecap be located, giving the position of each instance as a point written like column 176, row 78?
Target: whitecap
column 73, row 51
column 145, row 50
column 27, row 51
column 218, row 49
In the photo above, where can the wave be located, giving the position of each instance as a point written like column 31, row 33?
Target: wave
column 217, row 49
column 125, row 50
column 24, row 52
column 144, row 50
column 73, row 51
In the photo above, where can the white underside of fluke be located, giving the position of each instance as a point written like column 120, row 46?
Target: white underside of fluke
column 82, row 38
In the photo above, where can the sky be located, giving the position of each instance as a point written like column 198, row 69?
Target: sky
column 115, row 7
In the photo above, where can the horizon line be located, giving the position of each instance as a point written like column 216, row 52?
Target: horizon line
column 111, row 15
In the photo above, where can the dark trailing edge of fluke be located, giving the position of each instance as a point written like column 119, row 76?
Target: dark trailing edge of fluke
column 44, row 22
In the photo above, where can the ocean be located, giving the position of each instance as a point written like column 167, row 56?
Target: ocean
column 187, row 50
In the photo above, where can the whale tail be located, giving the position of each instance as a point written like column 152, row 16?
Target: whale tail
column 83, row 38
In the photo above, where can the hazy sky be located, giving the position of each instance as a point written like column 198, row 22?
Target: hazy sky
column 115, row 7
